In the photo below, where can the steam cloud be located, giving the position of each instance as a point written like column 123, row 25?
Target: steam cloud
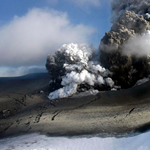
column 125, row 48
column 139, row 45
column 73, row 70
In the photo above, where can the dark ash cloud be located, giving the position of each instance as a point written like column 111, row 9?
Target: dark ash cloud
column 125, row 48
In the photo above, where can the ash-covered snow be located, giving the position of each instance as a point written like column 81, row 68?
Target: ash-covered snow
column 77, row 71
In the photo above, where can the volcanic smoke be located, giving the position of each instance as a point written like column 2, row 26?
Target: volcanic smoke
column 125, row 48
column 124, row 55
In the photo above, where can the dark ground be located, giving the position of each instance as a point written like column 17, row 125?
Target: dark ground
column 24, row 109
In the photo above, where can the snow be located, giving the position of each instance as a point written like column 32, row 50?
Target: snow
column 42, row 142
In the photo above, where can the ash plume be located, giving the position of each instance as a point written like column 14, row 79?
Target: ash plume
column 140, row 7
column 125, row 48
column 124, row 55
column 73, row 70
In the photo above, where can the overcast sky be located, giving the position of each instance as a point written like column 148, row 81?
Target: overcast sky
column 32, row 29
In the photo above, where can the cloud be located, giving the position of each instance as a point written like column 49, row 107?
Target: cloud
column 28, row 39
column 87, row 2
column 139, row 45
column 19, row 71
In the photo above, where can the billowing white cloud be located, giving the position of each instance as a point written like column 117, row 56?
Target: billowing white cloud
column 80, row 68
column 87, row 2
column 28, row 39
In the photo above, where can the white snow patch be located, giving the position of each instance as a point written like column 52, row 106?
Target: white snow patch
column 42, row 142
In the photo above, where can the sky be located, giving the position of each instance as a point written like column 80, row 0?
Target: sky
column 32, row 29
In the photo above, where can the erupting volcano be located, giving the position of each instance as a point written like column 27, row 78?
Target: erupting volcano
column 123, row 57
